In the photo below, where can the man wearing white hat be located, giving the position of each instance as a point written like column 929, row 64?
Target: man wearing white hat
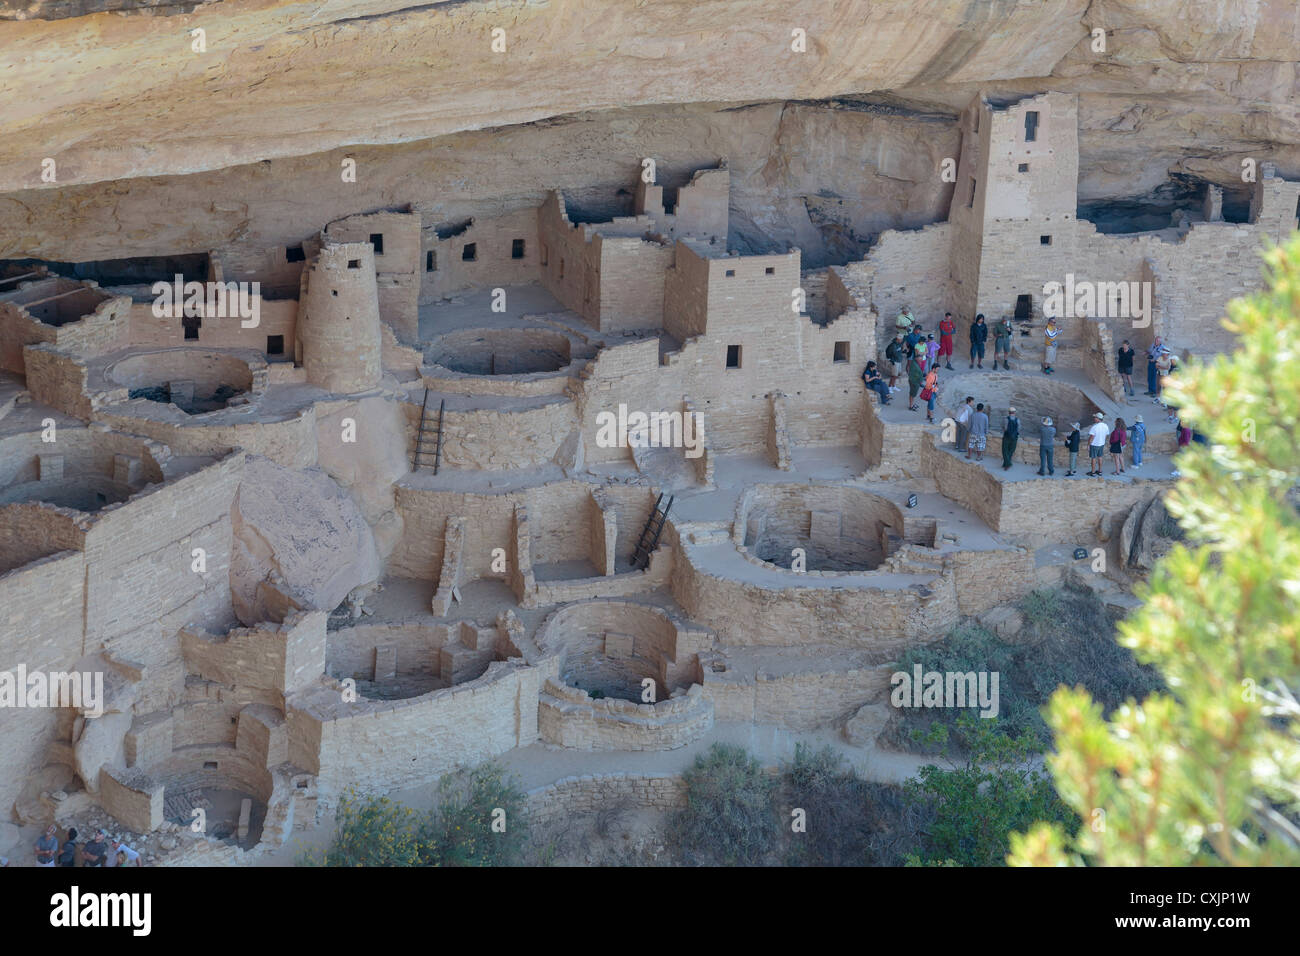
column 1139, row 432
column 1097, row 436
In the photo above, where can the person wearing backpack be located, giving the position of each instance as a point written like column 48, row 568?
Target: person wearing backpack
column 895, row 355
column 915, row 376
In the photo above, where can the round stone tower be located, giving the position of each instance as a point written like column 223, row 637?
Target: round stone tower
column 338, row 319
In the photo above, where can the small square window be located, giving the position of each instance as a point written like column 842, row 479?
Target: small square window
column 334, row 292
column 770, row 270
column 733, row 356
column 430, row 262
column 209, row 765
column 1044, row 240
column 354, row 263
column 275, row 345
column 295, row 254
column 731, row 273
column 470, row 252
column 1023, row 167
column 377, row 240
column 841, row 352
column 517, row 249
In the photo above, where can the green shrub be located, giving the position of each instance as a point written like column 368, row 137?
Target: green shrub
column 460, row 831
column 728, row 819
column 375, row 831
column 975, row 806
column 370, row 831
column 839, row 807
column 1068, row 640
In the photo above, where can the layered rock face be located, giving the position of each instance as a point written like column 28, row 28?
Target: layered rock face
column 164, row 140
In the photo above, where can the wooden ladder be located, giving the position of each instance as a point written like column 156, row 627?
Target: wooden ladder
column 654, row 527
column 421, row 436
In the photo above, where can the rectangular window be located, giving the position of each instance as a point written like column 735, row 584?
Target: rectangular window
column 731, row 273
column 1044, row 240
column 295, row 254
column 1024, row 306
column 517, row 249
column 971, row 202
column 430, row 261
column 1031, row 126
column 545, row 255
column 275, row 345
column 841, row 352
column 770, row 270
column 733, row 356
column 191, row 325
column 377, row 240
column 470, row 252
column 1023, row 167
column 354, row 263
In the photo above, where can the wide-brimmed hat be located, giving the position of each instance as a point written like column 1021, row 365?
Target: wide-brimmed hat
column 1011, row 411
column 1138, row 419
column 1099, row 416
column 1047, row 421
column 1074, row 425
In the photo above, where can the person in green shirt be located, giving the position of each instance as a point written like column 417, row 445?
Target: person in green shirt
column 915, row 376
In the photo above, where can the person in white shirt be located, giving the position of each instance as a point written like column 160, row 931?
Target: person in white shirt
column 963, row 424
column 117, row 850
column 1098, row 435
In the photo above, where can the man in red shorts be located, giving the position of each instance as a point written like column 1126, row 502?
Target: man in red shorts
column 947, row 329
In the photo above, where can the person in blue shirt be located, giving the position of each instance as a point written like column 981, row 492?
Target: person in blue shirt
column 1139, row 432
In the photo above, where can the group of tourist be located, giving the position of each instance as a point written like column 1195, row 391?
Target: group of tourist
column 972, row 422
column 99, row 851
column 916, row 354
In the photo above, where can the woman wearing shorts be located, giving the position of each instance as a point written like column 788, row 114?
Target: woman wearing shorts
column 1118, row 439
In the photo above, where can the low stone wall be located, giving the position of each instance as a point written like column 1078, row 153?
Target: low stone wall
column 801, row 701
column 378, row 745
column 587, row 794
column 290, row 442
column 894, row 615
column 500, row 438
column 569, row 717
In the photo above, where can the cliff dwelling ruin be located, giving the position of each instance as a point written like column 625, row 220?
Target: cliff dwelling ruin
column 379, row 533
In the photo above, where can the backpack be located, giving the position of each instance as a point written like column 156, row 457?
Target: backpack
column 68, row 856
